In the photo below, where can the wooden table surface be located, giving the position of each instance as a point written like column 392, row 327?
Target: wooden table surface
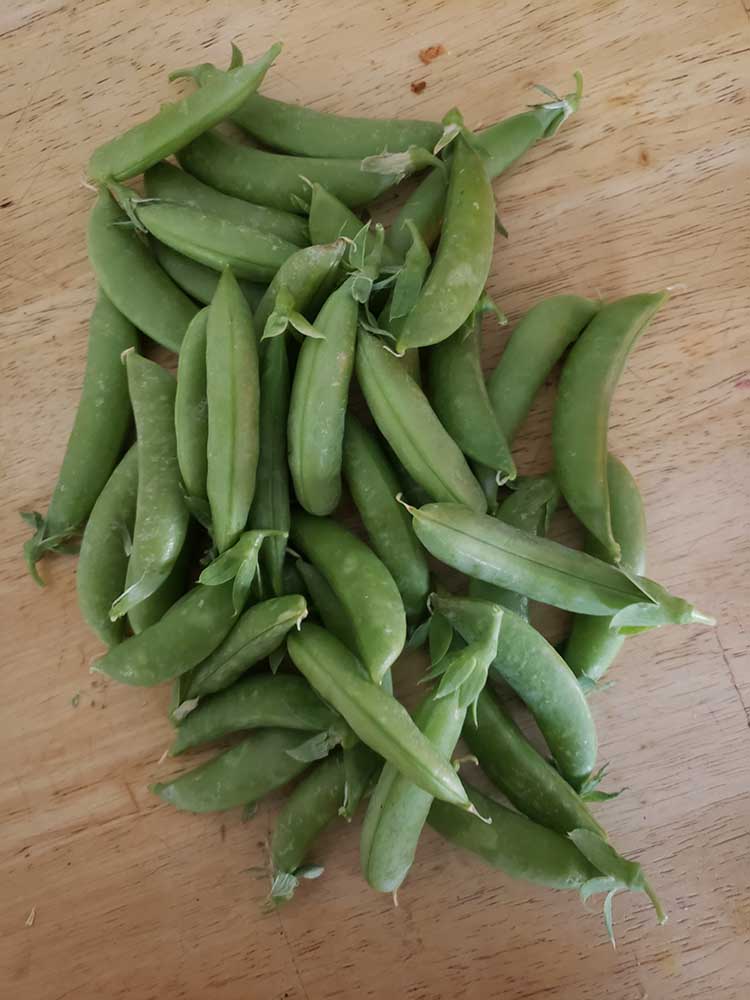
column 646, row 187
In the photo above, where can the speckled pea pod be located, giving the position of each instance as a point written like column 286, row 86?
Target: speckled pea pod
column 198, row 280
column 191, row 409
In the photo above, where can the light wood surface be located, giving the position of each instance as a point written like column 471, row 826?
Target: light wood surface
column 647, row 186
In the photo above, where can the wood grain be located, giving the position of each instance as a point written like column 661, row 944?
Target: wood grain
column 645, row 187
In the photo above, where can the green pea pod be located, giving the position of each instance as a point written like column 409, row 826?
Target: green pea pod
column 176, row 124
column 581, row 418
column 534, row 348
column 330, row 219
column 502, row 144
column 592, row 645
column 253, row 702
column 166, row 182
column 103, row 560
column 361, row 767
column 122, row 262
column 362, row 583
column 257, row 633
column 532, row 785
column 459, row 397
column 191, row 409
column 233, row 392
column 373, row 486
column 198, row 280
column 309, row 277
column 410, row 426
column 376, row 717
column 156, row 605
column 189, row 631
column 258, row 765
column 282, row 181
column 94, row 444
column 161, row 515
column 513, row 843
column 326, row 605
column 398, row 809
column 546, row 571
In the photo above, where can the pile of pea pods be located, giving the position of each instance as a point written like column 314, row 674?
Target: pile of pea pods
column 211, row 555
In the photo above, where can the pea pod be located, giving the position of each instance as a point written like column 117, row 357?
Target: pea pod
column 233, row 390
column 94, row 444
column 279, row 181
column 168, row 183
column 579, row 430
column 198, row 280
column 373, row 486
column 464, row 255
column 487, row 549
column 122, row 262
column 103, row 560
column 308, row 276
column 409, row 424
column 161, row 515
column 191, row 409
column 592, row 645
column 362, row 583
column 398, row 809
column 330, row 219
column 327, row 606
column 258, row 765
column 176, row 124
column 155, row 606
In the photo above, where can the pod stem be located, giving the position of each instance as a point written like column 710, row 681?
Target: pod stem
column 661, row 916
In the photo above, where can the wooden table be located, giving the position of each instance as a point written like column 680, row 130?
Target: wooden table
column 645, row 187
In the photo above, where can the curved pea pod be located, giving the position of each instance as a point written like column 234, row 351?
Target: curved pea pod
column 122, row 262
column 459, row 397
column 308, row 276
column 189, row 631
column 168, row 183
column 398, row 809
column 103, row 560
column 233, row 392
column 581, row 418
column 326, row 605
column 410, row 426
column 536, row 345
column 280, row 181
column 330, row 219
column 198, row 280
column 161, row 515
column 377, row 718
column 258, row 632
column 282, row 701
column 374, row 486
column 464, row 254
column 176, row 124
column 592, row 644
column 502, row 144
column 485, row 548
column 362, row 583
column 258, row 765
column 94, row 444
column 191, row 409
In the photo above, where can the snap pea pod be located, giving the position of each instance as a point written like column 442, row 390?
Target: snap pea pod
column 398, row 809
column 592, row 645
column 374, row 486
column 330, row 219
column 308, row 275
column 258, row 765
column 161, row 515
column 257, row 633
column 362, row 583
column 377, row 718
column 581, row 418
column 545, row 571
column 463, row 257
column 156, row 605
column 198, row 280
column 94, row 444
column 327, row 606
column 122, row 262
column 502, row 144
column 410, row 426
column 459, row 397
column 534, row 348
column 513, row 843
column 532, row 785
column 103, row 560
column 168, row 183
column 189, row 631
column 284, row 701
column 233, row 392
column 191, row 409
column 176, row 124
column 279, row 181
